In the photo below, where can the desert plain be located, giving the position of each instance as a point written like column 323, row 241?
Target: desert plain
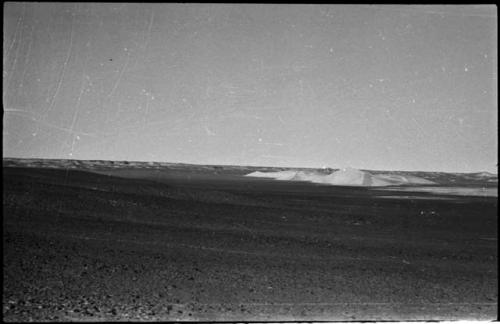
column 115, row 241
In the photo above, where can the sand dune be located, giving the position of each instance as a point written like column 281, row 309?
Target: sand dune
column 344, row 177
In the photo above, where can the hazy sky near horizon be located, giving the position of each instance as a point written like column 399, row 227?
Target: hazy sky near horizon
column 393, row 87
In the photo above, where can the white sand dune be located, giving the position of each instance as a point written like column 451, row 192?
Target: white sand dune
column 280, row 175
column 343, row 177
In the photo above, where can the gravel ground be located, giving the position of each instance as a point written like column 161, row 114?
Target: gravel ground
column 81, row 246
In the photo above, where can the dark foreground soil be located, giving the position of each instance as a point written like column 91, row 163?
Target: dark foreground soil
column 86, row 246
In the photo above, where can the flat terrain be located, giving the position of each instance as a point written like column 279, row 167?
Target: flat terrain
column 181, row 245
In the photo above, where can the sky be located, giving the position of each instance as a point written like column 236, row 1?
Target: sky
column 381, row 87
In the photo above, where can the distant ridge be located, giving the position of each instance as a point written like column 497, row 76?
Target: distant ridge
column 98, row 165
column 108, row 164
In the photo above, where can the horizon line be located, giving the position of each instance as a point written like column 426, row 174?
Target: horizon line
column 239, row 165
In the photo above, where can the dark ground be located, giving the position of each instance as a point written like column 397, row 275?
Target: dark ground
column 86, row 246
